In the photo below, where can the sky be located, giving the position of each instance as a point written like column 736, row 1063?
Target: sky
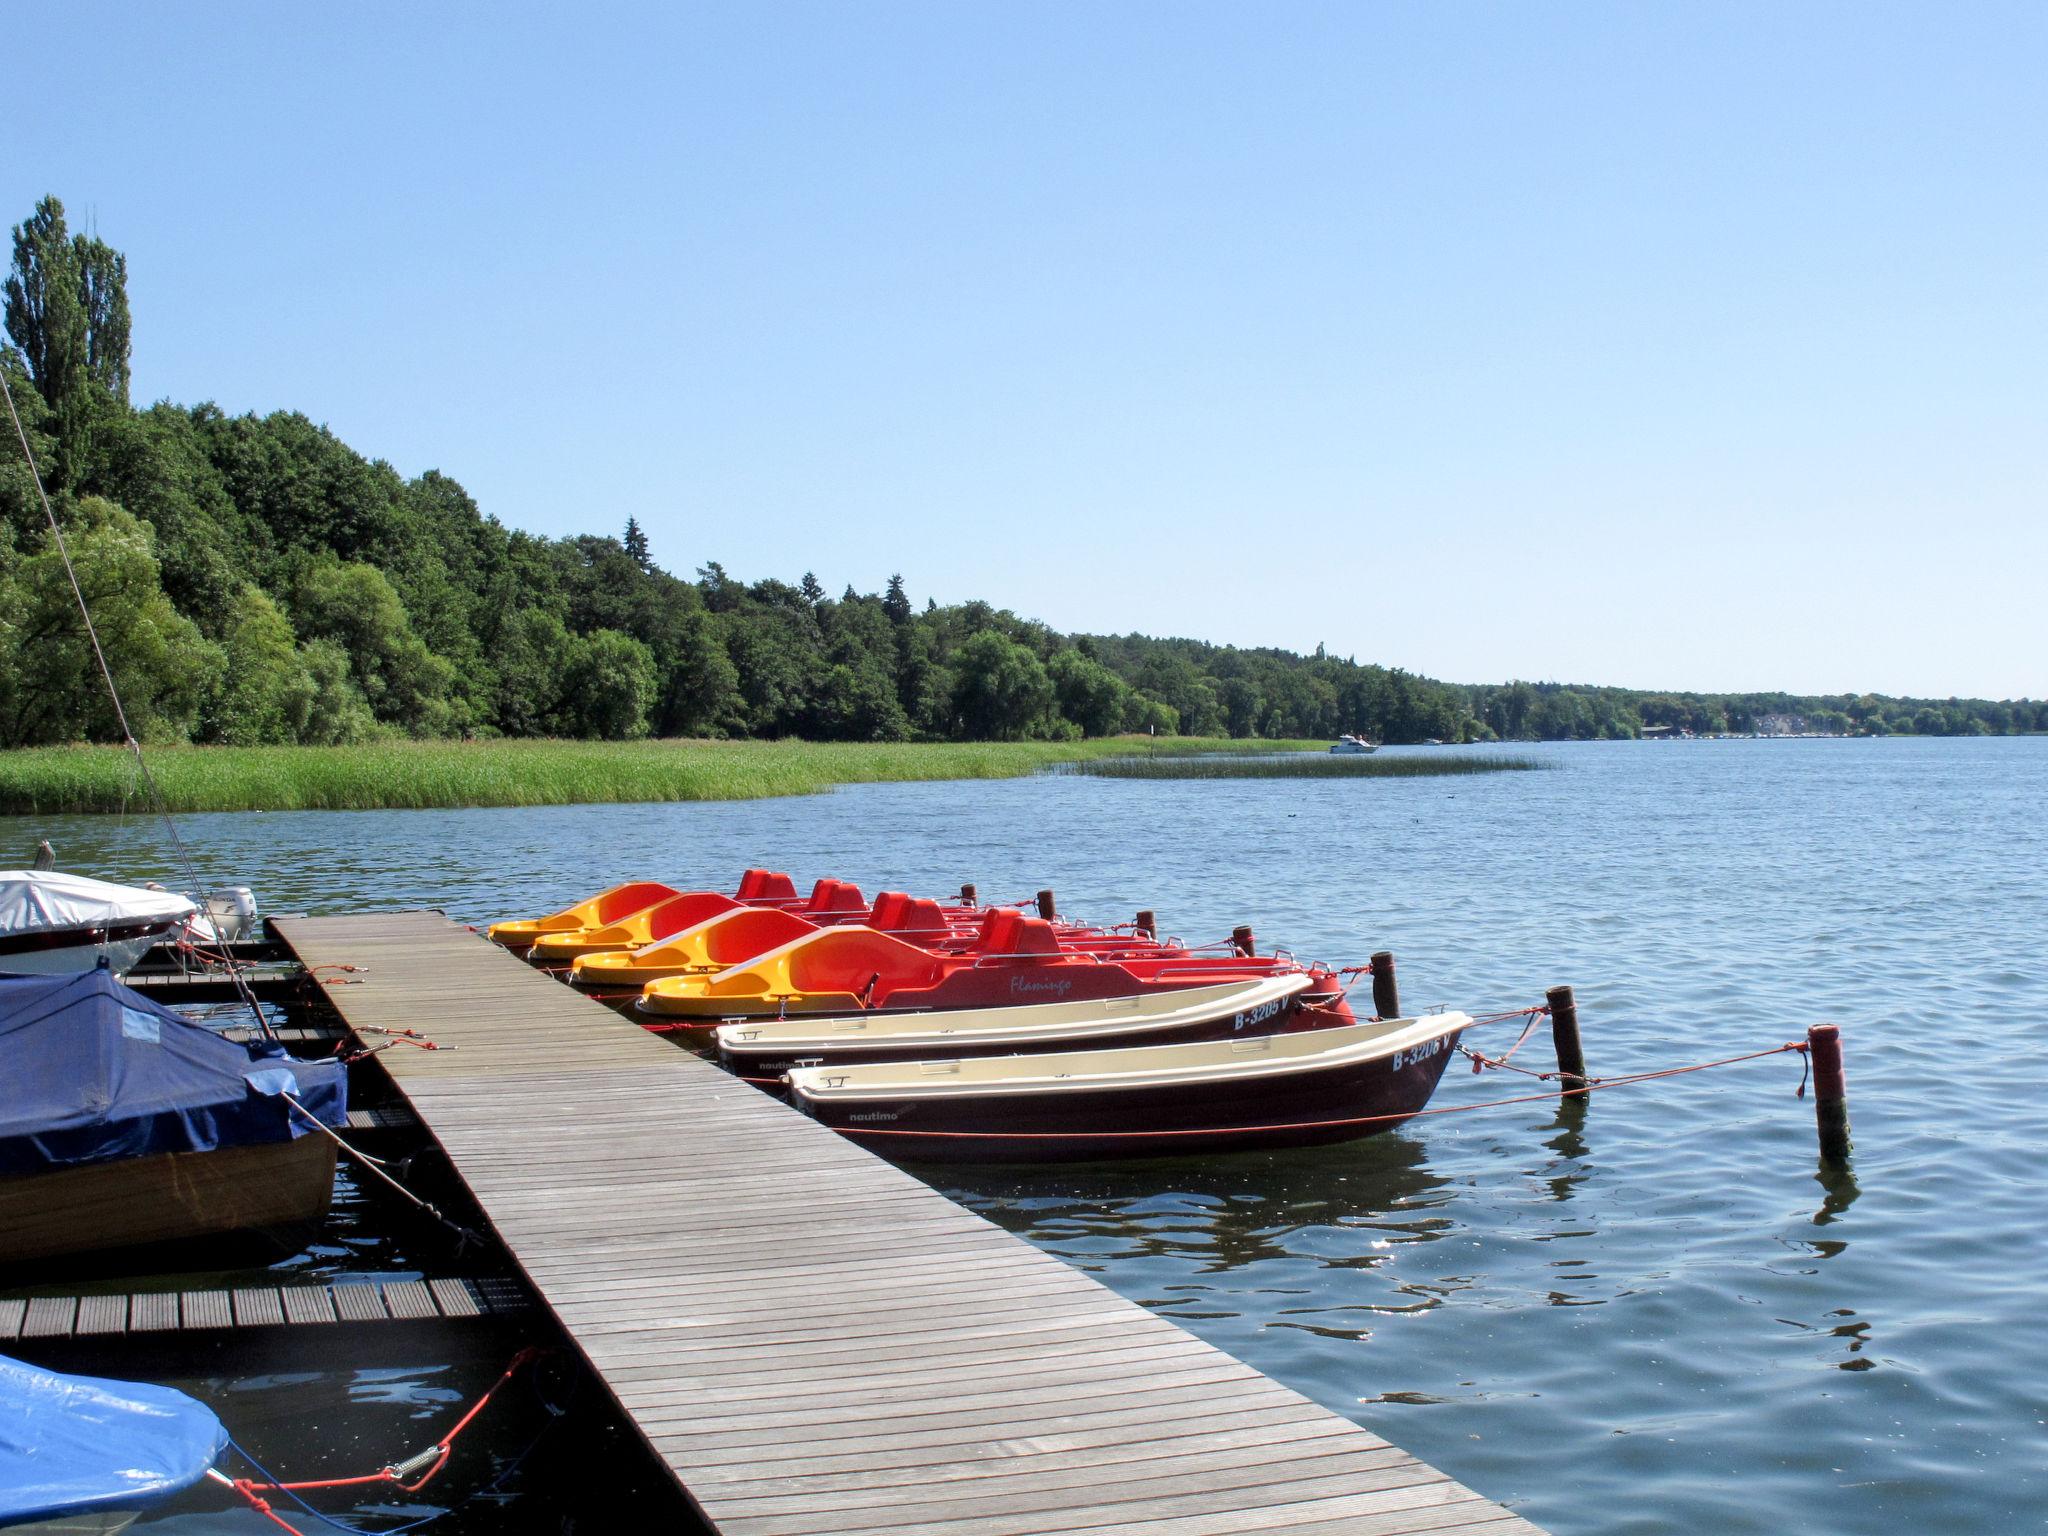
column 1697, row 346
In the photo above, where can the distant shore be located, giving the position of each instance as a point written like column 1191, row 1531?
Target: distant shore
column 424, row 775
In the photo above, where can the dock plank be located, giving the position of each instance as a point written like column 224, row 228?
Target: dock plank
column 812, row 1340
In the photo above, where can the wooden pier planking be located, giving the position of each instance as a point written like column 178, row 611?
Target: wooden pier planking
column 812, row 1340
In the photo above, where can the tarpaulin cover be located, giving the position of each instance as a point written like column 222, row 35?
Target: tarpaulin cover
column 70, row 1444
column 90, row 1070
column 36, row 901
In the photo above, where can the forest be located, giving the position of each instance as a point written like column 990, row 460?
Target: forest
column 254, row 580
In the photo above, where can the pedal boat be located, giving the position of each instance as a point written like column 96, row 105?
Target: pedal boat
column 761, row 1051
column 727, row 939
column 665, row 919
column 1015, row 959
column 1283, row 1090
column 621, row 902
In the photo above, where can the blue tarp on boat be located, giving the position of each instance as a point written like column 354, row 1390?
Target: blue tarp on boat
column 91, row 1071
column 70, row 1444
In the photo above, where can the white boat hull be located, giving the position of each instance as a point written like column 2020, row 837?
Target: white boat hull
column 122, row 951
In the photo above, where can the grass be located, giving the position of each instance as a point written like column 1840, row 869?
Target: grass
column 419, row 775
column 1324, row 765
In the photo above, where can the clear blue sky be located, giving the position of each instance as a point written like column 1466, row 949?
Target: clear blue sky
column 1666, row 345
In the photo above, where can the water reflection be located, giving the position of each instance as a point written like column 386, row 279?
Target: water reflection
column 1223, row 1214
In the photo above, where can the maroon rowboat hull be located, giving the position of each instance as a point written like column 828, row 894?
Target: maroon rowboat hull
column 1298, row 1109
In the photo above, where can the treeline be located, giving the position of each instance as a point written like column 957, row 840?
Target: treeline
column 1552, row 712
column 255, row 580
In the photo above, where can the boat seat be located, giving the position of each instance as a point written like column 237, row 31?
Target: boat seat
column 1006, row 931
column 835, row 896
column 766, row 885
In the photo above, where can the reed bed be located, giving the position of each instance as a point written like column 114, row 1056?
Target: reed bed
column 415, row 775
column 1296, row 765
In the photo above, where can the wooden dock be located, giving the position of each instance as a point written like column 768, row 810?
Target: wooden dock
column 812, row 1340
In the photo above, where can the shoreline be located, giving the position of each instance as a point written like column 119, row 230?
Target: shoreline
column 451, row 775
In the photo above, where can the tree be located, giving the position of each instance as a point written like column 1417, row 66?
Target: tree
column 812, row 592
column 46, row 315
column 1088, row 693
column 896, row 602
column 266, row 693
column 1000, row 692
column 354, row 606
column 608, row 687
column 636, row 544
column 103, row 293
column 51, row 689
column 67, row 310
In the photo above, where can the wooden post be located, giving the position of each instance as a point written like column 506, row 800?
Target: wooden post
column 1386, row 992
column 1046, row 907
column 1830, row 1092
column 969, row 897
column 1564, row 1034
column 1148, row 923
column 1241, row 939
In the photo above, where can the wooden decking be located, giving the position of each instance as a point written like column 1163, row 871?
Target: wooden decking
column 812, row 1340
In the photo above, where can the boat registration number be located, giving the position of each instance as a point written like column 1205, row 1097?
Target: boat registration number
column 1416, row 1053
column 1257, row 1015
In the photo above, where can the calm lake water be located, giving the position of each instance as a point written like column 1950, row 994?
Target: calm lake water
column 1654, row 1314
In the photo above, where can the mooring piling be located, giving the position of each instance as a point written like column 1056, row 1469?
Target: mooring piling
column 969, row 897
column 1047, row 908
column 1241, row 939
column 1564, row 1034
column 1830, row 1091
column 1386, row 992
column 1147, row 923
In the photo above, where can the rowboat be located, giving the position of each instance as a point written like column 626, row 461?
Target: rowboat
column 1280, row 1090
column 123, row 1123
column 53, row 923
column 762, row 1050
column 1012, row 960
column 622, row 901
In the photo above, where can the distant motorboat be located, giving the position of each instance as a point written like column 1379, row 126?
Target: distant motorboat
column 1348, row 744
column 53, row 923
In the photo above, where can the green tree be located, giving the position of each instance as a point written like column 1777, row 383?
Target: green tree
column 51, row 688
column 1088, row 693
column 265, row 693
column 354, row 606
column 1000, row 692
column 635, row 543
column 608, row 687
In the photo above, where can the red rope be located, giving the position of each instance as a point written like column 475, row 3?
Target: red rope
column 1316, row 1125
column 441, row 1450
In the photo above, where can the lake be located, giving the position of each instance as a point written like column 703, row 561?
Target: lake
column 1651, row 1313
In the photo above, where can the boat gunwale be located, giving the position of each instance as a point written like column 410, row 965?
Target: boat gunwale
column 1235, row 996
column 1377, row 1038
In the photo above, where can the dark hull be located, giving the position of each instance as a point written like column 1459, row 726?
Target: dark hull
column 1290, row 1016
column 170, row 1197
column 1312, row 1107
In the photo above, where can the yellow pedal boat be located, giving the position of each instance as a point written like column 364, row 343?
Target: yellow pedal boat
column 622, row 901
column 736, row 937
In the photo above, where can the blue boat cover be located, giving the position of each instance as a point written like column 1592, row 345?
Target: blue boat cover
column 70, row 1444
column 91, row 1071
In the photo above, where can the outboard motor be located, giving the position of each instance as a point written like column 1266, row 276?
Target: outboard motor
column 233, row 913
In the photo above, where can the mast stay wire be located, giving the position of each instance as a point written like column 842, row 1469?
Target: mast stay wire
column 163, row 807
